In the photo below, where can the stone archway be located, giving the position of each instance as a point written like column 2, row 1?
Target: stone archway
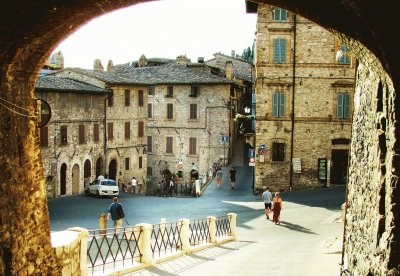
column 374, row 166
column 87, row 173
column 75, row 179
column 99, row 167
column 112, row 169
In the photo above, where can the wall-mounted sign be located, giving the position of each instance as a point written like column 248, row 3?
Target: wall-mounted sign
column 296, row 163
column 43, row 111
column 322, row 169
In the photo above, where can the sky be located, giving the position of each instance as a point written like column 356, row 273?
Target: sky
column 163, row 29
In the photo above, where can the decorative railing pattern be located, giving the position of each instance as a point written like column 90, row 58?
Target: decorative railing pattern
column 107, row 249
column 165, row 238
column 199, row 231
column 223, row 225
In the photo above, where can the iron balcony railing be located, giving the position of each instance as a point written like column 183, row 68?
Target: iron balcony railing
column 108, row 249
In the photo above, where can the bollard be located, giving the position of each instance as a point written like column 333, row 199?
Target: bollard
column 102, row 224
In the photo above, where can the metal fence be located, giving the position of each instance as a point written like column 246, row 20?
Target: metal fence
column 199, row 231
column 223, row 225
column 166, row 238
column 108, row 249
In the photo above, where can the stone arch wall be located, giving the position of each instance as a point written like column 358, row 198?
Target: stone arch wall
column 25, row 45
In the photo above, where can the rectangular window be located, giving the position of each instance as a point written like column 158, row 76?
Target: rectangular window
column 127, row 97
column 149, row 110
column 140, row 129
column 151, row 90
column 149, row 143
column 140, row 162
column 96, row 133
column 170, row 91
column 192, row 145
column 278, row 151
column 343, row 105
column 278, row 103
column 64, row 135
column 279, row 14
column 110, row 131
column 127, row 165
column 127, row 130
column 170, row 111
column 82, row 138
column 44, row 137
column 140, row 98
column 169, row 148
column 110, row 101
column 279, row 50
column 193, row 111
column 195, row 91
column 149, row 171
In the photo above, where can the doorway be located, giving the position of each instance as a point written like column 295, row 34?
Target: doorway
column 112, row 170
column 339, row 166
column 75, row 179
column 99, row 167
column 63, row 179
column 87, row 173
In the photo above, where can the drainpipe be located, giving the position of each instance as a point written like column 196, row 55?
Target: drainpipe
column 105, row 133
column 293, row 93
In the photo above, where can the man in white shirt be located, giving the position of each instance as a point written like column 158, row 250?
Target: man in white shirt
column 133, row 184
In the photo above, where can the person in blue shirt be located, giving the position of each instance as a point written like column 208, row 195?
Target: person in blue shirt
column 115, row 215
column 267, row 199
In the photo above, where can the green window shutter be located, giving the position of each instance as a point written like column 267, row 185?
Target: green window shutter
column 276, row 50
column 283, row 50
column 275, row 103
column 340, row 105
column 346, row 105
column 281, row 104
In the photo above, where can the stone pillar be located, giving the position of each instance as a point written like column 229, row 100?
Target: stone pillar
column 185, row 234
column 83, row 253
column 212, row 228
column 232, row 218
column 144, row 243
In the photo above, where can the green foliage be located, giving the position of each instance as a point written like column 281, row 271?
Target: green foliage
column 248, row 53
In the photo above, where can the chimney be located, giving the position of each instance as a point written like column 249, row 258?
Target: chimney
column 233, row 54
column 182, row 60
column 97, row 65
column 142, row 61
column 229, row 70
column 110, row 66
column 200, row 59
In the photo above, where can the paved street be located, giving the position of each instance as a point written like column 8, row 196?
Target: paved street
column 296, row 247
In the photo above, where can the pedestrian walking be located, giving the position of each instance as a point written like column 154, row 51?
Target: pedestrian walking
column 232, row 174
column 277, row 207
column 133, row 184
column 116, row 213
column 171, row 186
column 267, row 198
column 120, row 184
column 218, row 176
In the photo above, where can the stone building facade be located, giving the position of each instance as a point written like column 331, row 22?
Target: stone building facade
column 304, row 98
column 166, row 115
column 71, row 143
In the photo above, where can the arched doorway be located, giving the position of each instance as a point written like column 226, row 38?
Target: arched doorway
column 63, row 179
column 112, row 170
column 75, row 179
column 87, row 173
column 99, row 167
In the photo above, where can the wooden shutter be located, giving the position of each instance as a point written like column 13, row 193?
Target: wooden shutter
column 149, row 143
column 275, row 105
column 140, row 129
column 127, row 130
column 127, row 97
column 110, row 131
column 44, row 136
column 140, row 162
column 340, row 105
column 346, row 105
column 149, row 110
column 192, row 145
column 169, row 148
column 81, row 134
column 96, row 136
column 281, row 104
column 140, row 98
column 193, row 111
column 170, row 111
column 127, row 165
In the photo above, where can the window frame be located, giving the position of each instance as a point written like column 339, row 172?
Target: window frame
column 149, row 110
column 64, row 135
column 278, row 104
column 140, row 129
column 280, row 50
column 127, row 97
column 278, row 151
column 343, row 105
column 110, row 131
column 170, row 111
column 149, row 144
column 344, row 59
column 151, row 90
column 127, row 164
column 140, row 98
column 96, row 133
column 282, row 16
column 192, row 146
column 169, row 147
column 193, row 114
column 127, row 128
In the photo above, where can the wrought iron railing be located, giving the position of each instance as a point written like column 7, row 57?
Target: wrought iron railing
column 223, row 225
column 166, row 238
column 107, row 249
column 199, row 231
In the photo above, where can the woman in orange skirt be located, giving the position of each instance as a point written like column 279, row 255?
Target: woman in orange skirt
column 277, row 207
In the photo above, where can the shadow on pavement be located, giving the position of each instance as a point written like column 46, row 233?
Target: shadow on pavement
column 296, row 227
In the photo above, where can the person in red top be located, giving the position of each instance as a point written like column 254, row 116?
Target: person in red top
column 277, row 207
